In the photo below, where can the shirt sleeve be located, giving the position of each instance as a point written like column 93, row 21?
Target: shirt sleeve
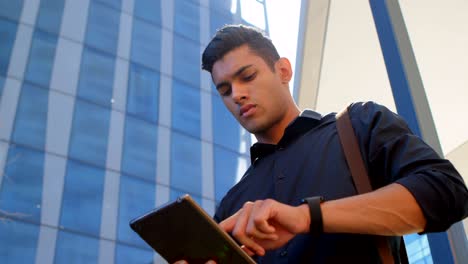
column 394, row 154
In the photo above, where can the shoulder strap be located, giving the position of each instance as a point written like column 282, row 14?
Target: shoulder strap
column 358, row 171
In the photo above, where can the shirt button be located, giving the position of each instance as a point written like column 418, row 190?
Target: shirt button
column 284, row 253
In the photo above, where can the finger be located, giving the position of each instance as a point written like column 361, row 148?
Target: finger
column 229, row 223
column 181, row 262
column 257, row 218
column 239, row 230
column 264, row 213
column 248, row 251
column 210, row 262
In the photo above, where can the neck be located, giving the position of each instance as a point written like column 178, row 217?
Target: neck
column 274, row 134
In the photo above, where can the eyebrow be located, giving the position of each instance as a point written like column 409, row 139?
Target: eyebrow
column 237, row 73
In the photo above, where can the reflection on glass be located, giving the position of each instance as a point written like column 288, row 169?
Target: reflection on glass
column 82, row 198
column 136, row 198
column 186, row 163
column 186, row 108
column 143, row 93
column 21, row 189
column 41, row 58
column 19, row 241
column 8, row 33
column 74, row 248
column 89, row 135
column 139, row 150
column 50, row 15
column 187, row 19
column 31, row 116
column 146, row 44
column 96, row 77
column 102, row 29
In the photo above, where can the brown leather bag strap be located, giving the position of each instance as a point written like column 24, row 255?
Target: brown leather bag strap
column 358, row 171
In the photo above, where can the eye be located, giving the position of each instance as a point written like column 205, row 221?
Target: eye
column 225, row 90
column 249, row 77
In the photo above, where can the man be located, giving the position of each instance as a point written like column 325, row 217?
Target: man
column 299, row 156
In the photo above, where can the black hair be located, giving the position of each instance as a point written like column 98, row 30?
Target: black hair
column 230, row 37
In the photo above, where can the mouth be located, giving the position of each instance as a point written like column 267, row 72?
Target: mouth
column 247, row 110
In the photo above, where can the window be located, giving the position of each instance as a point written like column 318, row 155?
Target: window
column 186, row 163
column 89, row 134
column 50, row 15
column 226, row 130
column 31, row 116
column 103, row 27
column 136, row 198
column 143, row 93
column 187, row 19
column 19, row 242
column 2, row 82
column 41, row 58
column 8, row 35
column 82, row 198
column 186, row 65
column 186, row 108
column 218, row 20
column 139, row 150
column 222, row 6
column 21, row 189
column 229, row 167
column 149, row 10
column 146, row 44
column 11, row 9
column 114, row 3
column 126, row 254
column 73, row 248
column 96, row 77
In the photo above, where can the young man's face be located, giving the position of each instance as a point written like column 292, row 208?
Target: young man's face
column 255, row 95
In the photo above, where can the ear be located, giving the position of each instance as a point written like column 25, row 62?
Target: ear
column 283, row 66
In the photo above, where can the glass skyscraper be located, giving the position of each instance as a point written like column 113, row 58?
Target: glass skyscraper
column 104, row 115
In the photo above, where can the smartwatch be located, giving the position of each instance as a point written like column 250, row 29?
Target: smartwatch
column 316, row 222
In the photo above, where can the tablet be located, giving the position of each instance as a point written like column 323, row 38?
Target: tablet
column 183, row 230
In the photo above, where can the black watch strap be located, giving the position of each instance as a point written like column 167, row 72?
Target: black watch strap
column 316, row 222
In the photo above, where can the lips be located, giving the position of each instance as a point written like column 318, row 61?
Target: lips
column 247, row 110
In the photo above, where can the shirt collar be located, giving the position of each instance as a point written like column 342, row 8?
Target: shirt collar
column 307, row 120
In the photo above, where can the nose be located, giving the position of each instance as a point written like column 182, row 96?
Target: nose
column 239, row 93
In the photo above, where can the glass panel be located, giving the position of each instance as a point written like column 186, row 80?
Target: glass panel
column 2, row 82
column 31, row 116
column 8, row 35
column 221, row 6
column 146, row 44
column 41, row 58
column 19, row 241
column 229, row 167
column 139, row 151
column 143, row 92
column 187, row 19
column 137, row 197
column 11, row 9
column 73, row 248
column 21, row 189
column 50, row 15
column 186, row 108
column 117, row 4
column 226, row 130
column 186, row 61
column 218, row 20
column 149, row 10
column 103, row 27
column 82, row 198
column 96, row 77
column 126, row 254
column 186, row 163
column 89, row 134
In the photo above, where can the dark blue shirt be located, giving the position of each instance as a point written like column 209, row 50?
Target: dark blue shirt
column 308, row 161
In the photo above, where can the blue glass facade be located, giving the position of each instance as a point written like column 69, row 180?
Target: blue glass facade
column 104, row 118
